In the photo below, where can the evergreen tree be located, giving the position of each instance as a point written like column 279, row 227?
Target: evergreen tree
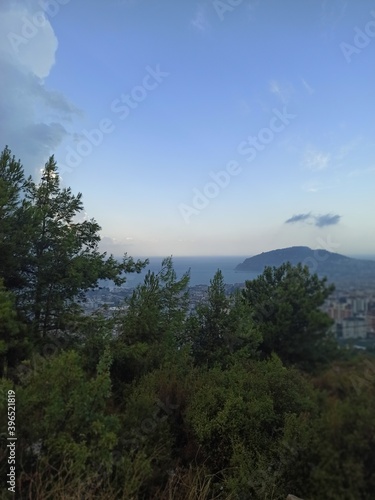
column 220, row 327
column 60, row 259
column 14, row 221
column 149, row 331
column 13, row 345
column 286, row 306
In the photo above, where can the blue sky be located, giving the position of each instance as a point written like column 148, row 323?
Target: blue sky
column 200, row 128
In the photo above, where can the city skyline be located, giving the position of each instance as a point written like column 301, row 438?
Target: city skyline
column 207, row 128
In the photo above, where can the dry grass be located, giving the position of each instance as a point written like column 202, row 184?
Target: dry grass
column 48, row 483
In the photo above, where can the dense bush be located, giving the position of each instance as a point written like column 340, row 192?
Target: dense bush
column 248, row 397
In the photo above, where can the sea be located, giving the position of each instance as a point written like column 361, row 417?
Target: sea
column 202, row 270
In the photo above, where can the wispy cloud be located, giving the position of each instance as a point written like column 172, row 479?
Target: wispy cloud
column 327, row 220
column 243, row 107
column 282, row 91
column 361, row 171
column 313, row 186
column 308, row 87
column 347, row 148
column 317, row 220
column 332, row 12
column 298, row 218
column 199, row 21
column 251, row 7
column 316, row 160
column 114, row 246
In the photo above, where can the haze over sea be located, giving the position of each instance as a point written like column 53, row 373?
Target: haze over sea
column 202, row 270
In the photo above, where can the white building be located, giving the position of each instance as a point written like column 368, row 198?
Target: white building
column 354, row 327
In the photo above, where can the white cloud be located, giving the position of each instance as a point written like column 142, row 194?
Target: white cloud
column 253, row 4
column 115, row 246
column 282, row 91
column 347, row 148
column 316, row 160
column 332, row 12
column 243, row 107
column 251, row 7
column 199, row 21
column 361, row 171
column 308, row 87
column 314, row 186
column 28, row 48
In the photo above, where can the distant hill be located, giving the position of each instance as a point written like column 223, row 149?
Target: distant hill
column 338, row 268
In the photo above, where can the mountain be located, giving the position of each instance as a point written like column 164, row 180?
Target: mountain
column 338, row 268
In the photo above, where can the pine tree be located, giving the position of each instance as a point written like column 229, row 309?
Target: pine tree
column 286, row 306
column 60, row 257
column 13, row 345
column 149, row 332
column 221, row 328
column 14, row 218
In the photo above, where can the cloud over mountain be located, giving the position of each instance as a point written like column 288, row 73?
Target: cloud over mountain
column 327, row 220
column 298, row 218
column 317, row 220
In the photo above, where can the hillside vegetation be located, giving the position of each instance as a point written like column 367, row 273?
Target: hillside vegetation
column 337, row 268
column 247, row 397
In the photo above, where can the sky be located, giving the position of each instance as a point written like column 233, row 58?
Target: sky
column 219, row 127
